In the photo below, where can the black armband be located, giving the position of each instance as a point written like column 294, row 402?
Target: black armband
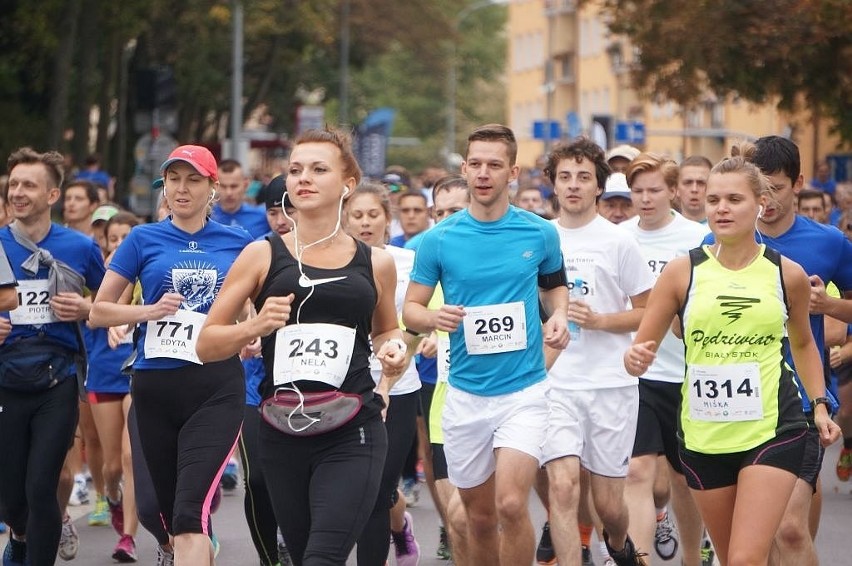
column 414, row 333
column 553, row 280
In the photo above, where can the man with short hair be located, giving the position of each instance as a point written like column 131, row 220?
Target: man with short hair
column 593, row 401
column 615, row 204
column 529, row 198
column 413, row 216
column 39, row 414
column 822, row 179
column 79, row 201
column 811, row 203
column 491, row 261
column 231, row 208
column 93, row 173
column 691, row 187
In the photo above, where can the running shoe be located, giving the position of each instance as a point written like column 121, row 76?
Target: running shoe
column 99, row 516
column 708, row 555
column 80, row 491
column 125, row 550
column 586, row 556
column 411, row 491
column 165, row 557
column 116, row 514
column 627, row 556
column 443, row 552
column 844, row 464
column 229, row 477
column 544, row 553
column 15, row 553
column 407, row 549
column 69, row 541
column 665, row 538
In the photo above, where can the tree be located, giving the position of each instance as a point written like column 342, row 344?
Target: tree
column 62, row 59
column 798, row 51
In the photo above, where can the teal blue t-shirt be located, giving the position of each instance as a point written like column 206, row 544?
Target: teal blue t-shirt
column 491, row 263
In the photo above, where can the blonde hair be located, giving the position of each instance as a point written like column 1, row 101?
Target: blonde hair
column 741, row 161
column 648, row 162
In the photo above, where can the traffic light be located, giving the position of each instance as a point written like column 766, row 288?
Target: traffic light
column 156, row 88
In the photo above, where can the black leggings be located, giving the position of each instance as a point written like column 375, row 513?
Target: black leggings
column 323, row 487
column 258, row 508
column 36, row 431
column 189, row 420
column 147, row 507
column 401, row 425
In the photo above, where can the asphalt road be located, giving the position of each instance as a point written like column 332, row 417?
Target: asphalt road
column 96, row 543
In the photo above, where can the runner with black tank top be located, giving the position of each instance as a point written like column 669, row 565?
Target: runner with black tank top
column 320, row 297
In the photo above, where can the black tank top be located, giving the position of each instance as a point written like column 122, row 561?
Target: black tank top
column 348, row 301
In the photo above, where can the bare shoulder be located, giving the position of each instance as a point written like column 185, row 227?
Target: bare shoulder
column 794, row 274
column 383, row 263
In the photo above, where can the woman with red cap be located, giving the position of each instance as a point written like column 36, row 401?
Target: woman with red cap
column 189, row 415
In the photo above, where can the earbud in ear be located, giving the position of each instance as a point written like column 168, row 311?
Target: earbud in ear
column 345, row 191
column 760, row 211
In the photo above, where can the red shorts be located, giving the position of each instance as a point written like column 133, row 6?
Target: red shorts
column 95, row 398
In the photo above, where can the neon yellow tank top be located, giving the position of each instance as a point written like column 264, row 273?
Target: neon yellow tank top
column 738, row 392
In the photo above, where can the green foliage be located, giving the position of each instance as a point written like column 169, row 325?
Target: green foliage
column 798, row 51
column 398, row 58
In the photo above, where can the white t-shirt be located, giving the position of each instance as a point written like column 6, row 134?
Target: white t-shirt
column 410, row 380
column 658, row 248
column 608, row 260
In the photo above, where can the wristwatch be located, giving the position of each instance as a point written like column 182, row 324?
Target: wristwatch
column 820, row 401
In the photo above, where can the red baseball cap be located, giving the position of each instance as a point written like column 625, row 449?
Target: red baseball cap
column 197, row 156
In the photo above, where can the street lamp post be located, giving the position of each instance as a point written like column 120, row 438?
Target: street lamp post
column 237, row 85
column 450, row 141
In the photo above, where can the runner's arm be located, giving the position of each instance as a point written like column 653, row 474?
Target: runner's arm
column 222, row 336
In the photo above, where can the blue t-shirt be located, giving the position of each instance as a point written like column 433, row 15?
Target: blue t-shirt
column 252, row 219
column 79, row 251
column 414, row 242
column 98, row 177
column 490, row 263
column 105, row 364
column 829, row 186
column 821, row 250
column 165, row 259
column 253, row 367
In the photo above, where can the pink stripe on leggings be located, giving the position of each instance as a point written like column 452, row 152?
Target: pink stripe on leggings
column 205, row 510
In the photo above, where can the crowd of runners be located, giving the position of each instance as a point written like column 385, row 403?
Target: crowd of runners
column 657, row 349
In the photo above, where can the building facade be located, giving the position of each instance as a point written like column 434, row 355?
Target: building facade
column 567, row 75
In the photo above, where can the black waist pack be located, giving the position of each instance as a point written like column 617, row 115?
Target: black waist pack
column 32, row 365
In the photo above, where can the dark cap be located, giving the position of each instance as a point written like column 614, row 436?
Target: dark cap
column 276, row 193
